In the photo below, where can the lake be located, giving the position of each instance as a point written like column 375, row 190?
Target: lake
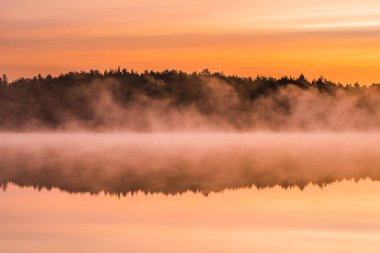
column 190, row 192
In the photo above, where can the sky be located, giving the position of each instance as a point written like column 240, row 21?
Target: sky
column 338, row 39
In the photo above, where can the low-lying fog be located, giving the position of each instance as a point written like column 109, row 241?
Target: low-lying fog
column 176, row 163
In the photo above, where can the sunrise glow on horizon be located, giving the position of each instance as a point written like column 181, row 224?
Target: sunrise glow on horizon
column 337, row 39
column 200, row 126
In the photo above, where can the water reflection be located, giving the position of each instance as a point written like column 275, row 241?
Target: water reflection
column 342, row 217
column 175, row 163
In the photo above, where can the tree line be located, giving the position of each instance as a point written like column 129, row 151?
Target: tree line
column 50, row 100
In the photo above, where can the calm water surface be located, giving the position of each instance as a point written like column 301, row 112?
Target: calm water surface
column 342, row 216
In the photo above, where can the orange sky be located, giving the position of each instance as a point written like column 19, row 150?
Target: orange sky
column 336, row 38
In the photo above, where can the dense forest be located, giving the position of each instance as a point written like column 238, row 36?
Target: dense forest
column 119, row 99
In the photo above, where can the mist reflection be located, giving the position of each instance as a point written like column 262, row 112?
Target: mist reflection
column 120, row 164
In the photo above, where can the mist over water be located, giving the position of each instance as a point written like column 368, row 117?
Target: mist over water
column 122, row 132
column 181, row 162
column 175, row 163
column 169, row 135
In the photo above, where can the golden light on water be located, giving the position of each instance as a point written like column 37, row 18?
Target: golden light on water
column 167, row 161
column 340, row 217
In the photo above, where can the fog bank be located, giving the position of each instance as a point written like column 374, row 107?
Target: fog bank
column 172, row 101
column 175, row 163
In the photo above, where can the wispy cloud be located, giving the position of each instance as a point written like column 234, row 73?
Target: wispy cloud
column 210, row 32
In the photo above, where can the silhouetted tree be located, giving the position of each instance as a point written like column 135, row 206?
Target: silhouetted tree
column 4, row 79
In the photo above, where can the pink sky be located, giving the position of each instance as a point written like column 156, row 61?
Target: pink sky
column 338, row 39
